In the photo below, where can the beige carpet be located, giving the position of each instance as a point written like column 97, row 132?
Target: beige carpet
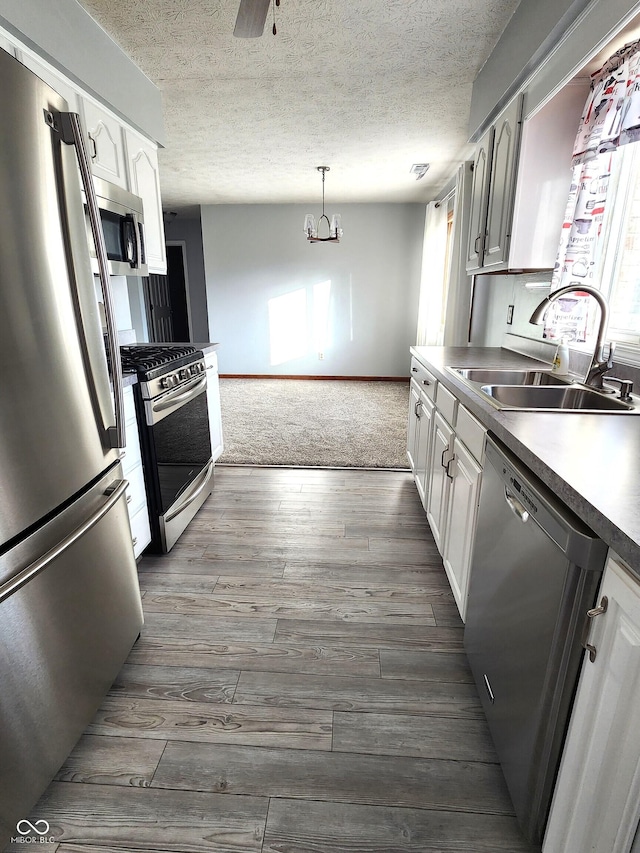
column 314, row 422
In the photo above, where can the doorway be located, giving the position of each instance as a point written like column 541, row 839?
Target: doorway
column 166, row 299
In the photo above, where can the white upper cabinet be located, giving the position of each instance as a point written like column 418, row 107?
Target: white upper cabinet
column 5, row 44
column 522, row 174
column 106, row 143
column 493, row 191
column 504, row 160
column 478, row 213
column 544, row 178
column 144, row 181
column 51, row 77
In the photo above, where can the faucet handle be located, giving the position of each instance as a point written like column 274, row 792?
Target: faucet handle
column 608, row 348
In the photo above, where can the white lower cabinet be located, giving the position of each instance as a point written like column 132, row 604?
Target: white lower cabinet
column 419, row 438
column 446, row 451
column 424, row 447
column 439, row 478
column 596, row 804
column 462, row 514
column 413, row 427
column 132, row 469
column 213, row 404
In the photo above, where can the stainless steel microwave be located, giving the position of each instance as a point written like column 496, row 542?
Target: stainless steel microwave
column 122, row 220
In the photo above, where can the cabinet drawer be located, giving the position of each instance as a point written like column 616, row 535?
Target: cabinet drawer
column 129, row 405
column 140, row 531
column 425, row 380
column 136, row 495
column 130, row 456
column 211, row 360
column 470, row 432
column 446, row 403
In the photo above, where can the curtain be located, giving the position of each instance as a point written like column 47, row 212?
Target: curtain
column 432, row 304
column 456, row 327
column 611, row 117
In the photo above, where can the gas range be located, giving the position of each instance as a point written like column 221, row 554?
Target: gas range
column 173, row 422
column 162, row 367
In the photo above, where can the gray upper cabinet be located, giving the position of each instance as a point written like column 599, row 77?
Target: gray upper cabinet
column 493, row 191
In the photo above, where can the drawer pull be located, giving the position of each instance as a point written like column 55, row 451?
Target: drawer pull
column 591, row 614
column 129, row 498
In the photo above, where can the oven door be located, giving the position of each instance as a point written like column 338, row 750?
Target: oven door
column 180, row 455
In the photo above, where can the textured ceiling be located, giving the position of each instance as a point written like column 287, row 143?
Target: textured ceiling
column 367, row 87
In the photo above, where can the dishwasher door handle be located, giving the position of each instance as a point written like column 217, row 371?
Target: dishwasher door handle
column 515, row 506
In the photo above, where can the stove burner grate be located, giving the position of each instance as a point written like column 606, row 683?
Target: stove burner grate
column 141, row 359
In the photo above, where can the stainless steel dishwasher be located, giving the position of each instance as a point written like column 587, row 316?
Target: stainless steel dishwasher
column 535, row 572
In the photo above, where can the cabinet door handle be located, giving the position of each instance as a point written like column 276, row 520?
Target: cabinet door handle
column 476, row 246
column 416, row 409
column 591, row 614
column 94, row 154
column 446, row 469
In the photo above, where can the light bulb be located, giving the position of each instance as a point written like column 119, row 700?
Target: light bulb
column 310, row 225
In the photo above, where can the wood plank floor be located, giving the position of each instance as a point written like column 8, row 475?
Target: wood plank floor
column 300, row 685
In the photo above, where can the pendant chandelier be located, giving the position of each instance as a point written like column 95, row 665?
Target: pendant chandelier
column 334, row 227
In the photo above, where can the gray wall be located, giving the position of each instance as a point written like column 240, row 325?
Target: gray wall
column 188, row 229
column 536, row 27
column 64, row 34
column 492, row 296
column 257, row 260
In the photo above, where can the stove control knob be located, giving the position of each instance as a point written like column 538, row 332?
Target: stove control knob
column 183, row 374
column 164, row 383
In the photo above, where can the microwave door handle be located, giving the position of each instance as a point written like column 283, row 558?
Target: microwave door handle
column 129, row 234
column 72, row 135
column 143, row 247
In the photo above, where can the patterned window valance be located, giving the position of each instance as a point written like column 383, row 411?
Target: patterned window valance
column 611, row 115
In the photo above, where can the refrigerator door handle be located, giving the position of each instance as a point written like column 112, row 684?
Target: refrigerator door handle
column 114, row 493
column 71, row 133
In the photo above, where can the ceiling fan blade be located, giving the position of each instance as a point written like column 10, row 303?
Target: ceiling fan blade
column 252, row 15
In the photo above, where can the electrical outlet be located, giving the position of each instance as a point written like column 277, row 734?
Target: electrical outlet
column 320, row 356
column 510, row 315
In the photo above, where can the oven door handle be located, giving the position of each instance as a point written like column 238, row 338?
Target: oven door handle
column 201, row 480
column 183, row 397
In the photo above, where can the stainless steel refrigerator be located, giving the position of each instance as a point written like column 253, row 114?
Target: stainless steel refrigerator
column 70, row 605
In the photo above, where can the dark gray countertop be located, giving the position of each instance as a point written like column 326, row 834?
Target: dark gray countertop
column 590, row 461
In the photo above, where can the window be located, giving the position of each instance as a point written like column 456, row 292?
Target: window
column 620, row 259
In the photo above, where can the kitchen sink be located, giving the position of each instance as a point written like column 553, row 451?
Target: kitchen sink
column 510, row 377
column 568, row 398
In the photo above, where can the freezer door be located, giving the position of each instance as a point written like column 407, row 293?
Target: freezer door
column 55, row 399
column 70, row 611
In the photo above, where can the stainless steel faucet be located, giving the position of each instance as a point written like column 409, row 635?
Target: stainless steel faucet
column 599, row 364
